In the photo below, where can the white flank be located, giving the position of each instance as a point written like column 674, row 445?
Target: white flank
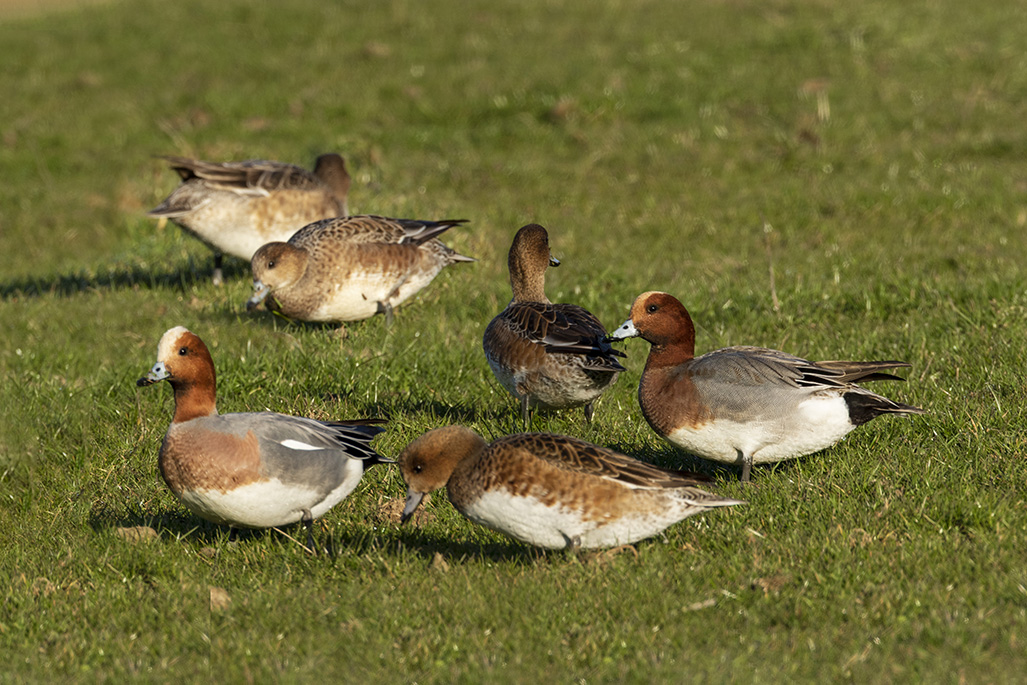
column 815, row 424
column 554, row 527
column 269, row 503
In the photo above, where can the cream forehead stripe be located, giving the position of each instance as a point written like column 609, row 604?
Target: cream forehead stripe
column 168, row 345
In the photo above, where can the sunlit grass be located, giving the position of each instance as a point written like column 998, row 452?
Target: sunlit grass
column 869, row 154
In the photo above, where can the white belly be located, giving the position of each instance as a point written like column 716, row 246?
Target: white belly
column 816, row 423
column 268, row 503
column 555, row 527
column 358, row 296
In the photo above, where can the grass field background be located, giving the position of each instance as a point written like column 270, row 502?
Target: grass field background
column 871, row 153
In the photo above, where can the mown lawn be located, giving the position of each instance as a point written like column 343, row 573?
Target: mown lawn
column 870, row 155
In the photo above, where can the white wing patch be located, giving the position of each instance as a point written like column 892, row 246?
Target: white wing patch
column 297, row 445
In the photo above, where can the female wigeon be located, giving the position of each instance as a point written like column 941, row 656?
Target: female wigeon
column 746, row 405
column 255, row 470
column 351, row 268
column 235, row 207
column 548, row 356
column 550, row 490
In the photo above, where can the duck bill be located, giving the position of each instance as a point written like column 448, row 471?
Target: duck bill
column 624, row 331
column 553, row 261
column 158, row 373
column 260, row 291
column 413, row 501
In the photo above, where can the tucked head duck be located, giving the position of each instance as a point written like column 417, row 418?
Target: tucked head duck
column 351, row 268
column 549, row 356
column 235, row 207
column 253, row 470
column 746, row 405
column 550, row 490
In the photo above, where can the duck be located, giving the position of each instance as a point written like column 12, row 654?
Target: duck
column 747, row 405
column 350, row 268
column 551, row 491
column 235, row 207
column 251, row 470
column 548, row 356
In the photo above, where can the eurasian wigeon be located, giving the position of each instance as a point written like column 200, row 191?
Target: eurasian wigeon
column 254, row 470
column 235, row 207
column 746, row 405
column 550, row 490
column 548, row 356
column 351, row 268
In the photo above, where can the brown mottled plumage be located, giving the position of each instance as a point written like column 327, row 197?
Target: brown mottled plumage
column 746, row 405
column 551, row 356
column 351, row 268
column 235, row 207
column 550, row 490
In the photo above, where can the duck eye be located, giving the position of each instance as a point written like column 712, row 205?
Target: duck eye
column 183, row 351
column 652, row 308
column 418, row 468
column 271, row 264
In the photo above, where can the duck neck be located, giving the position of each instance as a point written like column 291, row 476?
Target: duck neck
column 194, row 399
column 527, row 286
column 665, row 353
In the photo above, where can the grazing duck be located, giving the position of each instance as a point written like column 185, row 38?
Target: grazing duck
column 746, row 405
column 350, row 268
column 254, row 470
column 550, row 490
column 549, row 356
column 235, row 207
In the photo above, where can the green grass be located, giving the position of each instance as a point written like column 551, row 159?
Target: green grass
column 654, row 139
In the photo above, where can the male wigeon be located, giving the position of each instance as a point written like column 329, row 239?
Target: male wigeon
column 235, row 207
column 746, row 405
column 550, row 490
column 351, row 268
column 254, row 470
column 549, row 356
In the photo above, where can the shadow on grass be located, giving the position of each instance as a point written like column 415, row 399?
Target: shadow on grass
column 180, row 525
column 427, row 545
column 120, row 277
column 679, row 460
column 671, row 458
column 177, row 524
column 439, row 413
column 266, row 317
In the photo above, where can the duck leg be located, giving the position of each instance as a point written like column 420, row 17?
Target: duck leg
column 386, row 309
column 589, row 412
column 218, row 276
column 385, row 304
column 308, row 523
column 746, row 465
column 525, row 413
